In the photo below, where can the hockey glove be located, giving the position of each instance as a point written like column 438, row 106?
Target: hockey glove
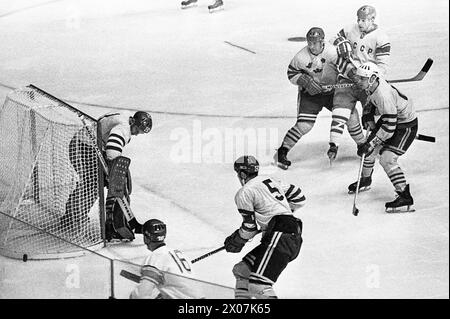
column 234, row 243
column 332, row 151
column 308, row 83
column 368, row 121
column 343, row 47
column 365, row 148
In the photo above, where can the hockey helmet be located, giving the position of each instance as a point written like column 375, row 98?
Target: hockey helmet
column 315, row 34
column 367, row 69
column 154, row 230
column 143, row 120
column 247, row 164
column 366, row 12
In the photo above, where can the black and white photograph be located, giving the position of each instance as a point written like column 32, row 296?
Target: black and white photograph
column 224, row 149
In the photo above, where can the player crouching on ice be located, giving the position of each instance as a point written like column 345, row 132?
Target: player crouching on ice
column 266, row 204
column 390, row 136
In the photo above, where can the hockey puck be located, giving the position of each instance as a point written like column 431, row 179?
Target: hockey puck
column 25, row 257
column 297, row 39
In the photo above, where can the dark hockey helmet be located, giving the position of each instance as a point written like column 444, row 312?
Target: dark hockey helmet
column 143, row 120
column 155, row 230
column 247, row 164
column 315, row 34
column 366, row 12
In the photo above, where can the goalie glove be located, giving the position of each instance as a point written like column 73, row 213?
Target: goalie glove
column 234, row 243
column 308, row 83
column 343, row 47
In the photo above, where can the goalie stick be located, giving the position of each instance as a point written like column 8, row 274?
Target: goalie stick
column 418, row 77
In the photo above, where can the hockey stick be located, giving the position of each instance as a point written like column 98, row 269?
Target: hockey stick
column 355, row 210
column 418, row 77
column 208, row 254
column 425, row 138
column 130, row 276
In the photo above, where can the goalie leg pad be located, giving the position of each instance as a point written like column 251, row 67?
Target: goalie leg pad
column 118, row 173
column 116, row 222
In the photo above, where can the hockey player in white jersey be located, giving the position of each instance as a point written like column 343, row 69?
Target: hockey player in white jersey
column 357, row 43
column 265, row 205
column 116, row 131
column 166, row 273
column 391, row 136
column 308, row 70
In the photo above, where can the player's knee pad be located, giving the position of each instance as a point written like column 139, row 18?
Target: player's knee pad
column 261, row 291
column 388, row 160
column 304, row 126
column 241, row 270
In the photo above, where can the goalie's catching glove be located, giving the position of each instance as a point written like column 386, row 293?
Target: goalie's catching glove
column 234, row 243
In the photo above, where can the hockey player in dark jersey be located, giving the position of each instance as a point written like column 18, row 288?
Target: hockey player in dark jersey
column 266, row 206
column 390, row 136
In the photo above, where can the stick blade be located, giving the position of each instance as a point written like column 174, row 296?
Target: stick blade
column 427, row 65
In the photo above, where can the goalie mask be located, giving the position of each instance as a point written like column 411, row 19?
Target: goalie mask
column 143, row 121
column 154, row 230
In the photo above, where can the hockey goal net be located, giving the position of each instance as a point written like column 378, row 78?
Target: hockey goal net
column 49, row 173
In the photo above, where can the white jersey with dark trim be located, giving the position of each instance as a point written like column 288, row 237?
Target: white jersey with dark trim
column 304, row 62
column 167, row 271
column 368, row 47
column 392, row 106
column 265, row 197
column 116, row 132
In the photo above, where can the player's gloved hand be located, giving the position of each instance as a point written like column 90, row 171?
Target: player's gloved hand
column 351, row 74
column 343, row 47
column 365, row 148
column 234, row 243
column 307, row 82
column 332, row 151
column 368, row 121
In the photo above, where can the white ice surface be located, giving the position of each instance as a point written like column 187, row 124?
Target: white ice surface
column 151, row 55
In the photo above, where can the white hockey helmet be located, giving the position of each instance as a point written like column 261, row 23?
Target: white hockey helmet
column 367, row 69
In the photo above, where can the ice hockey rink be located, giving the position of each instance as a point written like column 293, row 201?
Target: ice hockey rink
column 216, row 86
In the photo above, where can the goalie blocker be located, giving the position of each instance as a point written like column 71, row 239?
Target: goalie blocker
column 120, row 220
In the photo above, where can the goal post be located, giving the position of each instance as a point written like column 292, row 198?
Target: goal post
column 51, row 183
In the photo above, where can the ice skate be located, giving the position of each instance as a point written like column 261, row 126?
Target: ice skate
column 364, row 185
column 218, row 5
column 403, row 203
column 188, row 4
column 280, row 158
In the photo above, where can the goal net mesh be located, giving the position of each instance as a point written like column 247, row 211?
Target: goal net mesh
column 49, row 192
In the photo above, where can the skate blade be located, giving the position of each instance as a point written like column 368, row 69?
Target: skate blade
column 362, row 189
column 189, row 6
column 403, row 209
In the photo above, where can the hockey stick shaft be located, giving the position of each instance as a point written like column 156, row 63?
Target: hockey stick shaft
column 208, row 254
column 425, row 138
column 355, row 210
column 130, row 276
column 419, row 76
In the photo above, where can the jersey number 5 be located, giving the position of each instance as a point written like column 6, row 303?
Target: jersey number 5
column 273, row 189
